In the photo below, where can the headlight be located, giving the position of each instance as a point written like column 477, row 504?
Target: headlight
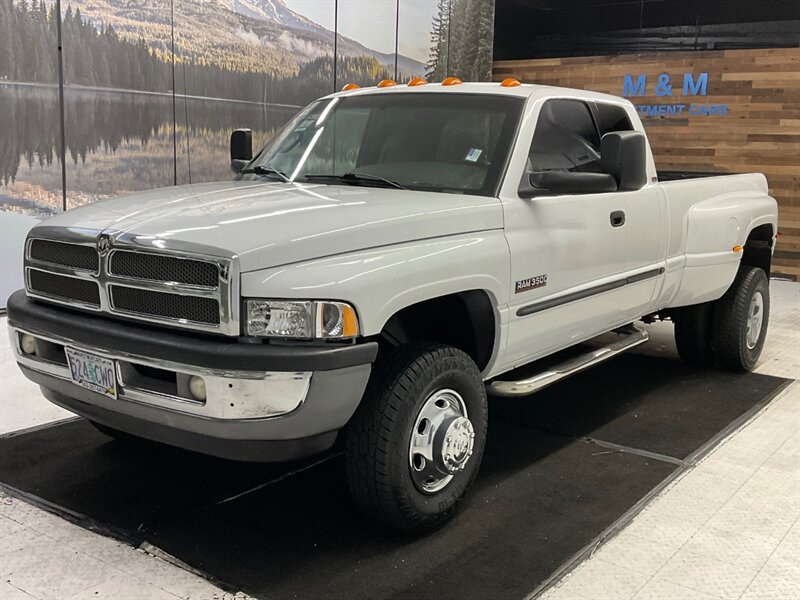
column 300, row 319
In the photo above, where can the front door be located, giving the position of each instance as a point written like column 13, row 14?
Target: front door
column 578, row 262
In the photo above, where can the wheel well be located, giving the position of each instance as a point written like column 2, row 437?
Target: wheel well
column 758, row 248
column 465, row 320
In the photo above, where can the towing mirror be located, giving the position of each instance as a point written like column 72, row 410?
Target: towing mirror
column 241, row 149
column 556, row 183
column 624, row 155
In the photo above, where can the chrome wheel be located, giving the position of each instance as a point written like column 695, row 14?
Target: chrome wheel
column 755, row 320
column 441, row 442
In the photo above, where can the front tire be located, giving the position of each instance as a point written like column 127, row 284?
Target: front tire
column 741, row 317
column 415, row 443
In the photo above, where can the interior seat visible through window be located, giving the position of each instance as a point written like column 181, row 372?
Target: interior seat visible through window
column 565, row 139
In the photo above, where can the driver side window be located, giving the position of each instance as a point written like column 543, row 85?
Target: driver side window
column 565, row 139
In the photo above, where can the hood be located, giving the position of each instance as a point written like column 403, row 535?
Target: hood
column 267, row 224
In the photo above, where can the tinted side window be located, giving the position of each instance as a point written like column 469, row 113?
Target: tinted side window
column 565, row 139
column 612, row 118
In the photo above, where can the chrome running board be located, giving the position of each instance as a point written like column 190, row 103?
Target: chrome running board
column 630, row 336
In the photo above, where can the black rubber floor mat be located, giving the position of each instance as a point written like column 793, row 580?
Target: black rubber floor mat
column 291, row 531
column 653, row 404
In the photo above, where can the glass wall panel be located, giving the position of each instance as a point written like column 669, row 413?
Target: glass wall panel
column 118, row 98
column 366, row 45
column 251, row 67
column 471, row 37
column 422, row 37
column 30, row 141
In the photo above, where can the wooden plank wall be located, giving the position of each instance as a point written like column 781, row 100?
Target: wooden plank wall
column 761, row 131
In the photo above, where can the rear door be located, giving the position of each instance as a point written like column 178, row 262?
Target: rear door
column 572, row 255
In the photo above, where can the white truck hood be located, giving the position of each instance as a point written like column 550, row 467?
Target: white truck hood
column 269, row 224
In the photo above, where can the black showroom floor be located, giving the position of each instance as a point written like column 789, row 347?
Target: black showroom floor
column 559, row 469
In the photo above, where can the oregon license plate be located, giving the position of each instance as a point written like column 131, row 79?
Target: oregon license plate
column 92, row 372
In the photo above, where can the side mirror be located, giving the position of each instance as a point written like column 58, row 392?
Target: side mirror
column 241, row 149
column 624, row 155
column 556, row 183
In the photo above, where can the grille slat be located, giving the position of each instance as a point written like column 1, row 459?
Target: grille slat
column 165, row 305
column 157, row 267
column 64, row 254
column 67, row 288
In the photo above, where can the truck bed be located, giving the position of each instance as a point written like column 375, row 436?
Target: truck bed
column 664, row 176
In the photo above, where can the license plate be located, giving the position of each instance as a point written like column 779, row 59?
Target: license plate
column 92, row 372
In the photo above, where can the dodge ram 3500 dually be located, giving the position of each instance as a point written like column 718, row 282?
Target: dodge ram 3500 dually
column 376, row 270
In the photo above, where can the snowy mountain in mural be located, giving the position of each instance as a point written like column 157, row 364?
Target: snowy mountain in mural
column 244, row 35
column 272, row 10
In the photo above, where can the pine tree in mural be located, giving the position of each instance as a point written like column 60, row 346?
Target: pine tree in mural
column 435, row 69
column 27, row 41
column 461, row 40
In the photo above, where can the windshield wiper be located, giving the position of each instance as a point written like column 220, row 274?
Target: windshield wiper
column 356, row 178
column 267, row 170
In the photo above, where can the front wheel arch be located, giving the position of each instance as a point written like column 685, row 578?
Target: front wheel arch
column 465, row 320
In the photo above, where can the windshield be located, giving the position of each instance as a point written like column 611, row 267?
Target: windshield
column 454, row 143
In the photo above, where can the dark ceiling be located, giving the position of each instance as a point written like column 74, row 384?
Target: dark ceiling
column 548, row 28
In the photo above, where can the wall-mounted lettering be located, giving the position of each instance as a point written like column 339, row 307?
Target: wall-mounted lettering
column 691, row 85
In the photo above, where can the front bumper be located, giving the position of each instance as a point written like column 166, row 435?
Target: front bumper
column 264, row 402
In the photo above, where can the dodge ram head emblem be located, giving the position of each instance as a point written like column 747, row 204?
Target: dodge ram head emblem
column 103, row 244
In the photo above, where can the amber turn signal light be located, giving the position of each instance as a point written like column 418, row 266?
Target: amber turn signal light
column 737, row 248
column 349, row 322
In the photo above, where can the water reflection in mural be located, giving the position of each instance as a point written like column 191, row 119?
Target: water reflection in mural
column 30, row 171
column 117, row 143
column 128, row 146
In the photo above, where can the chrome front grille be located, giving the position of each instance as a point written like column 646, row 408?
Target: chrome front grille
column 191, row 290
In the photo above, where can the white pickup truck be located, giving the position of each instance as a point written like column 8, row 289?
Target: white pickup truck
column 380, row 266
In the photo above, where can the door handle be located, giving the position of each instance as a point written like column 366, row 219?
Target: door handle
column 617, row 218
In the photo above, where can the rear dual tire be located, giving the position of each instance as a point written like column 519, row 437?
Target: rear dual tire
column 740, row 321
column 731, row 331
column 693, row 334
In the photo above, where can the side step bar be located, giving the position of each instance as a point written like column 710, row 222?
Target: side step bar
column 630, row 336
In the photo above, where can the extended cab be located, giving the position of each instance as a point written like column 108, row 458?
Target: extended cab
column 389, row 257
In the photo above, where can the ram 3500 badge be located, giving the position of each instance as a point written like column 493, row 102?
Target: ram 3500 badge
column 389, row 257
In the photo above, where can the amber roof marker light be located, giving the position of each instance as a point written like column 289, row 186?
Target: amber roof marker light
column 386, row 83
column 510, row 82
column 350, row 86
column 415, row 81
column 451, row 81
